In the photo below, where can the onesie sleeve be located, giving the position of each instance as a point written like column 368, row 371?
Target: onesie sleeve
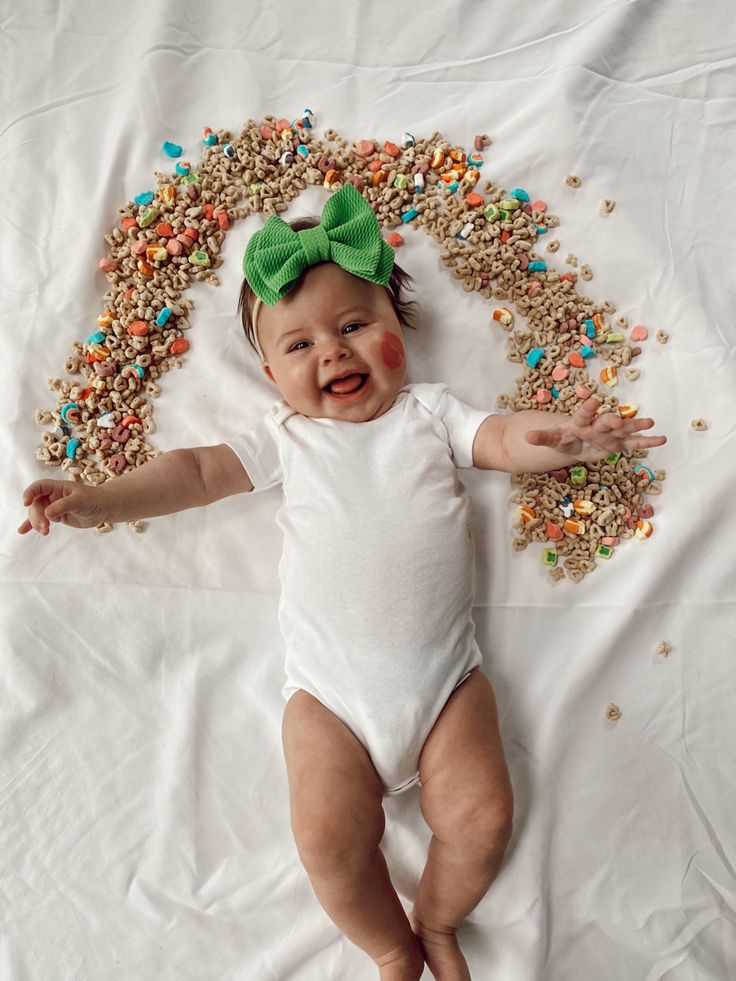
column 259, row 452
column 460, row 421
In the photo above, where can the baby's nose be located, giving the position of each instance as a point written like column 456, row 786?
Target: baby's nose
column 335, row 349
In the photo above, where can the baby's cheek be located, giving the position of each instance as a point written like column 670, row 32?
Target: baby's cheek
column 392, row 350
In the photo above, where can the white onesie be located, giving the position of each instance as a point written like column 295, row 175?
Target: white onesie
column 377, row 565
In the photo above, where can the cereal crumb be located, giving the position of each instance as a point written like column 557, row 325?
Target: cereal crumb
column 572, row 181
column 586, row 272
column 662, row 336
column 571, row 260
column 607, row 205
column 104, row 528
column 553, row 245
column 613, row 712
column 663, row 648
column 137, row 526
column 699, row 424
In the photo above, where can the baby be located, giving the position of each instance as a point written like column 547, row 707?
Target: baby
column 384, row 684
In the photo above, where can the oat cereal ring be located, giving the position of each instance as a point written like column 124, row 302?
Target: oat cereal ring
column 663, row 649
column 662, row 336
column 607, row 205
column 699, row 424
column 553, row 246
column 613, row 712
column 572, row 181
column 586, row 272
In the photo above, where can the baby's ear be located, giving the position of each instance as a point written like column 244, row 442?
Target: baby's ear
column 268, row 372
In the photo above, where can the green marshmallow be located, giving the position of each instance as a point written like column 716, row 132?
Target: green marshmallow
column 549, row 556
column 578, row 476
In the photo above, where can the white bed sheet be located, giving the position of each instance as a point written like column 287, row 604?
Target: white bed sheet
column 144, row 832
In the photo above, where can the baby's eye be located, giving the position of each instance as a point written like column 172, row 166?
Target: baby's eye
column 297, row 346
column 347, row 327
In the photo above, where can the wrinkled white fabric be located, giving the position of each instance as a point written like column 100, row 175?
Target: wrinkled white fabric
column 144, row 824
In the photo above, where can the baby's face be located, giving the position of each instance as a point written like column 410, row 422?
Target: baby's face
column 334, row 326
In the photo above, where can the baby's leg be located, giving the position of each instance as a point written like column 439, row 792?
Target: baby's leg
column 467, row 802
column 338, row 821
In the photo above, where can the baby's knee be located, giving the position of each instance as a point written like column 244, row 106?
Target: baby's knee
column 334, row 839
column 488, row 820
column 480, row 820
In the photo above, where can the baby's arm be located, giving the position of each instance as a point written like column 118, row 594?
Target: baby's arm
column 533, row 441
column 174, row 481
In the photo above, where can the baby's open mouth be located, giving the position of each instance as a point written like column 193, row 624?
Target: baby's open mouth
column 347, row 385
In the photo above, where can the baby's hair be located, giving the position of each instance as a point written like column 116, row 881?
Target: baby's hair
column 398, row 284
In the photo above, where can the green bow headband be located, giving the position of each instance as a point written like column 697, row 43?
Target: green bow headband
column 348, row 234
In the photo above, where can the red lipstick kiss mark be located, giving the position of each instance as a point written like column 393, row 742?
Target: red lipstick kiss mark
column 392, row 350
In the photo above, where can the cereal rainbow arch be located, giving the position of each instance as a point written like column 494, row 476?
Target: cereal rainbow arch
column 489, row 239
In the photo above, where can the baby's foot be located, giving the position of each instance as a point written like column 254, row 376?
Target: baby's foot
column 442, row 952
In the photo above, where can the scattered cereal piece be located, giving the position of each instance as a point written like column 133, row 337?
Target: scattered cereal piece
column 644, row 529
column 571, row 260
column 549, row 556
column 699, row 424
column 662, row 336
column 586, row 272
column 607, row 206
column 613, row 712
column 553, row 246
column 663, row 649
column 395, row 240
column 639, row 332
column 171, row 149
column 504, row 316
column 572, row 181
column 632, row 373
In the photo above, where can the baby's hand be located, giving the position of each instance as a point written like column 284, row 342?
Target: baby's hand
column 588, row 436
column 71, row 503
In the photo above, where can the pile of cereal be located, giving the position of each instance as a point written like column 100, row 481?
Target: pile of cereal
column 167, row 238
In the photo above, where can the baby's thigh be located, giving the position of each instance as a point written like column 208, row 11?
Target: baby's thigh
column 462, row 765
column 335, row 794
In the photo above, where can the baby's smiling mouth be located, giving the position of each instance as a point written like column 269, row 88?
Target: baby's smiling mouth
column 346, row 385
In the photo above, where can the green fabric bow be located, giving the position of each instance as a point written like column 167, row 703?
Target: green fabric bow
column 348, row 234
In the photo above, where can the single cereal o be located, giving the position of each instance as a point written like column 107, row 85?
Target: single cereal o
column 699, row 424
column 607, row 206
column 613, row 712
column 572, row 181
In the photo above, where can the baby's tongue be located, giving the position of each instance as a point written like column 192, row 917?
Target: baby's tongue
column 345, row 385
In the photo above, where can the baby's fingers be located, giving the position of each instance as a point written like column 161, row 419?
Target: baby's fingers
column 544, row 437
column 40, row 488
column 36, row 517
